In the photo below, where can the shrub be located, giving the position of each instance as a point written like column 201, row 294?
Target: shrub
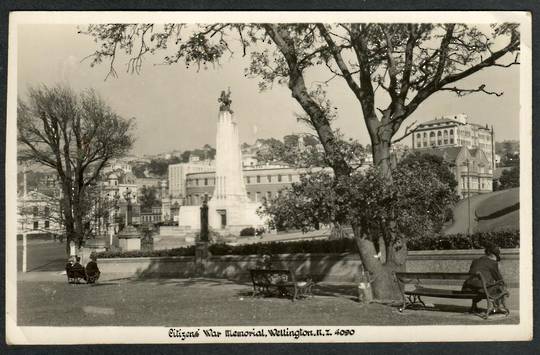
column 503, row 239
column 186, row 251
column 247, row 232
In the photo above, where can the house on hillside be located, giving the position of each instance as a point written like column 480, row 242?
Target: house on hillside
column 471, row 168
column 38, row 213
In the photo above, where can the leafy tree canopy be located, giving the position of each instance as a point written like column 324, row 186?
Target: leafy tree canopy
column 509, row 178
column 431, row 162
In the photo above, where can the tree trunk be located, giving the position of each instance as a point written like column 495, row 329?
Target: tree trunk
column 384, row 286
column 68, row 216
column 381, row 156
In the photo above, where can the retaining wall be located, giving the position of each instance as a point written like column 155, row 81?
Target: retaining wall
column 322, row 267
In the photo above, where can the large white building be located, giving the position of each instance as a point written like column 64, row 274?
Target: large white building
column 455, row 131
column 177, row 177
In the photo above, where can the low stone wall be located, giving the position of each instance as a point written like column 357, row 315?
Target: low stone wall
column 322, row 267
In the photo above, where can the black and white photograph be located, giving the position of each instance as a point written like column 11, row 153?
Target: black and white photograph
column 251, row 177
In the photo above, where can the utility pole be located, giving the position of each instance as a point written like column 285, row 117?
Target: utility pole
column 25, row 247
column 468, row 199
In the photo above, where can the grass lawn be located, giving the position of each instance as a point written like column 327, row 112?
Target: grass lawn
column 209, row 302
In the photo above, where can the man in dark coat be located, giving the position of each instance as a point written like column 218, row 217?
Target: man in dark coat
column 488, row 267
column 77, row 270
column 92, row 270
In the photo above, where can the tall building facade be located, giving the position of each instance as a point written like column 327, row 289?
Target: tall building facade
column 471, row 168
column 177, row 177
column 455, row 131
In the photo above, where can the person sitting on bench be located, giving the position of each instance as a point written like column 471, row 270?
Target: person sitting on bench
column 488, row 266
column 69, row 266
column 92, row 270
column 77, row 269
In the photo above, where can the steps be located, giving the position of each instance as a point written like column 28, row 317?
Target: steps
column 174, row 237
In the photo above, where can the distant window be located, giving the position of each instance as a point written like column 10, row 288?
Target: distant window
column 248, row 180
column 418, row 145
column 279, row 178
column 269, row 178
column 269, row 195
column 205, row 181
column 46, row 224
column 445, row 132
column 418, row 135
column 425, row 144
column 439, row 142
column 451, row 140
column 258, row 179
column 249, row 195
column 197, row 182
column 425, row 134
column 446, row 141
column 36, row 225
column 35, row 211
column 257, row 196
column 290, row 177
column 439, row 133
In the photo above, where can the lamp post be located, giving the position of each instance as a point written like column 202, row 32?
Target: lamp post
column 127, row 197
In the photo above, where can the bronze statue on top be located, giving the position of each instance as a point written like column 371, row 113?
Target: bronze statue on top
column 225, row 100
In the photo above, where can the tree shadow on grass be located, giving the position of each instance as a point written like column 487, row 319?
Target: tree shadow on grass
column 193, row 281
column 342, row 291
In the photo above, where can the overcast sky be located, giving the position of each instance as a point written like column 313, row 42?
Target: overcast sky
column 176, row 108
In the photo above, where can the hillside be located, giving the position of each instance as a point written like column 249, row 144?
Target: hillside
column 498, row 210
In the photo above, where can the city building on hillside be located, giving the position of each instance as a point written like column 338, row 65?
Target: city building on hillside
column 261, row 183
column 122, row 164
column 116, row 186
column 151, row 215
column 38, row 213
column 177, row 177
column 455, row 131
column 471, row 168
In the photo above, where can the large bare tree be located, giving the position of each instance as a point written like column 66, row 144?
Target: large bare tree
column 76, row 135
column 390, row 68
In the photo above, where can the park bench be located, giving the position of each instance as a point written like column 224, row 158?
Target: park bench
column 282, row 282
column 75, row 276
column 412, row 289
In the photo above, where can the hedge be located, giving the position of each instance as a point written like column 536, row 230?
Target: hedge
column 185, row 251
column 503, row 239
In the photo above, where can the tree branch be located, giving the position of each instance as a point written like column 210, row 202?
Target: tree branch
column 464, row 92
column 406, row 134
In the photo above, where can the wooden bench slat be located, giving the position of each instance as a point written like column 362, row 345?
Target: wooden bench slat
column 278, row 279
column 434, row 275
column 437, row 292
column 414, row 295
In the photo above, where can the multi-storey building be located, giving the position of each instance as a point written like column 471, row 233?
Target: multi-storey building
column 261, row 183
column 471, row 168
column 177, row 177
column 38, row 213
column 455, row 131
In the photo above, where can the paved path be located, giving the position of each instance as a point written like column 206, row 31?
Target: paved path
column 210, row 302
